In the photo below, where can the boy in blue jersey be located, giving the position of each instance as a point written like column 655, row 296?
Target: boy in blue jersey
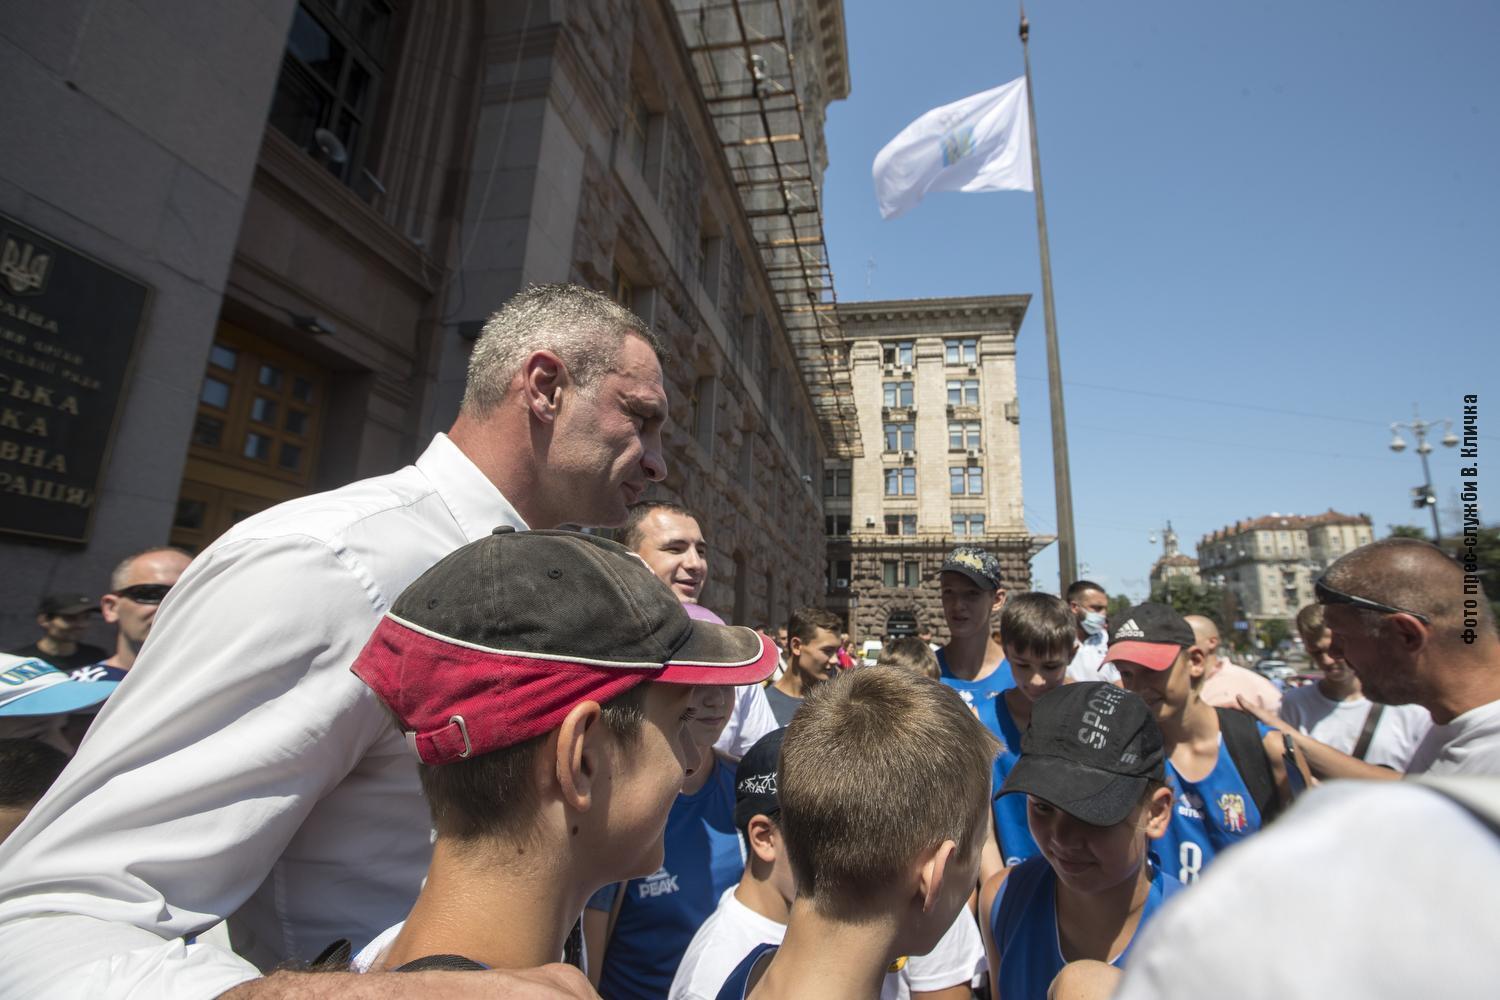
column 972, row 663
column 1226, row 770
column 884, row 792
column 636, row 932
column 1039, row 635
column 1091, row 773
column 546, row 680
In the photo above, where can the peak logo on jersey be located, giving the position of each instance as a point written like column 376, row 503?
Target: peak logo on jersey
column 1130, row 630
column 659, row 883
column 1232, row 806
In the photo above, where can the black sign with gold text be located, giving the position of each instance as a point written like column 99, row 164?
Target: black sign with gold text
column 68, row 329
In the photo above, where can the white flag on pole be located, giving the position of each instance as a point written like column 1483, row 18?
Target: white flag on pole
column 981, row 143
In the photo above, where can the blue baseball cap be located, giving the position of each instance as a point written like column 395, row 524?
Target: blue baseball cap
column 29, row 686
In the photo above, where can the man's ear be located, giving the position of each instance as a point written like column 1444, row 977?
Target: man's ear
column 1158, row 813
column 765, row 843
column 1197, row 661
column 543, row 375
column 930, row 874
column 999, row 600
column 794, row 645
column 578, row 756
column 108, row 607
column 1410, row 633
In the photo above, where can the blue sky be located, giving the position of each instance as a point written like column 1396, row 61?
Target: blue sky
column 1275, row 226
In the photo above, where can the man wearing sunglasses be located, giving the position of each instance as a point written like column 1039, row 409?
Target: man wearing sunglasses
column 1396, row 610
column 136, row 590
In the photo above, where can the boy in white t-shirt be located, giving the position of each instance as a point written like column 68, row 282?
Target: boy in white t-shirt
column 1336, row 712
column 755, row 912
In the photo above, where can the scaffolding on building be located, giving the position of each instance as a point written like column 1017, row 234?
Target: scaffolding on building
column 743, row 52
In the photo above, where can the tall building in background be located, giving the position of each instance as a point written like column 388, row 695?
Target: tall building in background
column 935, row 389
column 1268, row 564
column 246, row 254
column 1173, row 564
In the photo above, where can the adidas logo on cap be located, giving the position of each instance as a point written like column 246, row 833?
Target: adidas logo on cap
column 1130, row 630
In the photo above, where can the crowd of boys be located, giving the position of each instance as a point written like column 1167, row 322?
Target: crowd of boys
column 624, row 794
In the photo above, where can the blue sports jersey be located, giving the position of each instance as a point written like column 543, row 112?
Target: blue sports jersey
column 737, row 985
column 1208, row 816
column 663, row 911
column 1011, row 828
column 976, row 693
column 1023, row 925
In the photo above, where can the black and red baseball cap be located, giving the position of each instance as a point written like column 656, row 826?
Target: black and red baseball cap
column 1150, row 634
column 496, row 643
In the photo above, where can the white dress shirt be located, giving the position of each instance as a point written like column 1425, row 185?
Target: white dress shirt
column 1088, row 663
column 241, row 771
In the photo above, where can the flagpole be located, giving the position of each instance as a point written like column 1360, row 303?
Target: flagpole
column 1067, row 557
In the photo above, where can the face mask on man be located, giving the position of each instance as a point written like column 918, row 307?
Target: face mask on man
column 1093, row 622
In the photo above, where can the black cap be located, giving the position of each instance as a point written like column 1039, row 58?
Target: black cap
column 974, row 563
column 755, row 779
column 1150, row 634
column 1090, row 751
column 67, row 604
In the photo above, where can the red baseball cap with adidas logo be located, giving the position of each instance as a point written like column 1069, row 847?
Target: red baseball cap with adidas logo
column 1150, row 634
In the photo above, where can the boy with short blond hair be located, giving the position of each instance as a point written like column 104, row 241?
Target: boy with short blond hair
column 1040, row 638
column 910, row 653
column 885, row 846
column 544, row 679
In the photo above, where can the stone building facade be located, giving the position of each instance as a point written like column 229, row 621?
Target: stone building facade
column 326, row 199
column 935, row 389
column 1173, row 563
column 1268, row 564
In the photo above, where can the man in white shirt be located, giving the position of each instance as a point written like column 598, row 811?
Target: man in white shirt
column 244, row 773
column 1090, row 605
column 1336, row 712
column 1399, row 616
column 668, row 538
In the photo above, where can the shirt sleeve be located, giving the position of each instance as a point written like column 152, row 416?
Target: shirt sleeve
column 240, row 714
column 753, row 719
column 957, row 956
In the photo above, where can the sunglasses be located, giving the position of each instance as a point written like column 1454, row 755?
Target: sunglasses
column 1327, row 595
column 145, row 593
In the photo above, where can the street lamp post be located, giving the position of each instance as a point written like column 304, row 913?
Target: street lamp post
column 1422, row 496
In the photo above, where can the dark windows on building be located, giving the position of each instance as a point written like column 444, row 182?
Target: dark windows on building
column 900, row 354
column 835, row 482
column 836, row 525
column 900, row 524
column 901, row 573
column 330, row 80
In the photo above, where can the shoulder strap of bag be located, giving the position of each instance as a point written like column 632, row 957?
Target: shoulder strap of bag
column 1367, row 734
column 1242, row 737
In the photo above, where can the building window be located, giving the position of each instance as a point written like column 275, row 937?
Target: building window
column 963, row 392
column 330, row 78
column 890, row 573
column 637, row 129
column 900, row 437
column 912, row 574
column 961, row 352
column 901, row 482
column 897, row 393
column 835, row 482
column 968, row 525
column 703, row 404
column 901, row 353
column 965, row 480
column 901, row 524
column 836, row 526
column 963, row 435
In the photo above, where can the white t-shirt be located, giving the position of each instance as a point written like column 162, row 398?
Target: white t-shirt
column 1382, row 890
column 1470, row 744
column 733, row 929
column 1088, row 663
column 369, row 955
column 1339, row 723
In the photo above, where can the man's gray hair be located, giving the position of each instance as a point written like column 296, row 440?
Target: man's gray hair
column 581, row 326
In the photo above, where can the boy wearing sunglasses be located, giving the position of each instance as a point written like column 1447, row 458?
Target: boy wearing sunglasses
column 136, row 589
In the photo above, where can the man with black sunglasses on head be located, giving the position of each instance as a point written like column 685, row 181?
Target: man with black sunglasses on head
column 1396, row 612
column 136, row 589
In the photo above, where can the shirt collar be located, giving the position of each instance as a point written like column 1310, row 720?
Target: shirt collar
column 476, row 503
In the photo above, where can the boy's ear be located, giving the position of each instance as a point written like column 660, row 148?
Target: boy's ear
column 1197, row 661
column 930, row 875
column 579, row 755
column 760, row 832
column 1158, row 813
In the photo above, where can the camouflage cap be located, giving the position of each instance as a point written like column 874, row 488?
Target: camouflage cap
column 976, row 564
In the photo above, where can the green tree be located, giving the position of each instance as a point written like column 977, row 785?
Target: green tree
column 1407, row 531
column 1275, row 631
column 1118, row 605
column 1189, row 598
